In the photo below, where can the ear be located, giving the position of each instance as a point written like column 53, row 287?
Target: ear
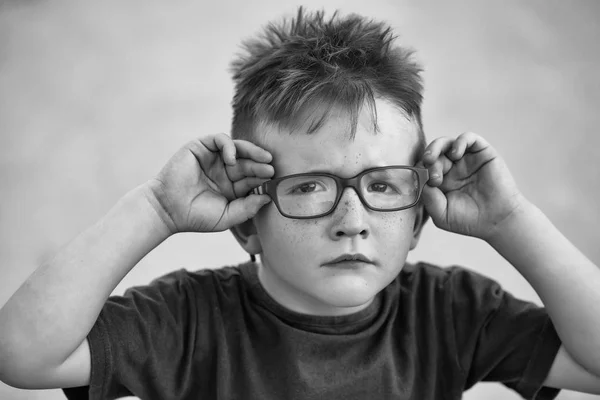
column 245, row 234
column 420, row 220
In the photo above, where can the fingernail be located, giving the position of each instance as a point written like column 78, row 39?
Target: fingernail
column 435, row 176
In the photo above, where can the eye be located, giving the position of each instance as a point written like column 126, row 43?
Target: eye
column 380, row 187
column 305, row 188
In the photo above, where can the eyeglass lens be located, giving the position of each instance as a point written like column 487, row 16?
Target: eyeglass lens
column 309, row 195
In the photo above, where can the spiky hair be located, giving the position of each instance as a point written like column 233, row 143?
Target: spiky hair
column 310, row 62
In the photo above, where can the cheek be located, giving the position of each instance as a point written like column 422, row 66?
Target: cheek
column 282, row 236
column 395, row 223
column 301, row 234
column 394, row 233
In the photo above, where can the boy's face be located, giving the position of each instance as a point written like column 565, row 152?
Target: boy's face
column 295, row 252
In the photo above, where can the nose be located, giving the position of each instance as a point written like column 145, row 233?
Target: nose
column 349, row 217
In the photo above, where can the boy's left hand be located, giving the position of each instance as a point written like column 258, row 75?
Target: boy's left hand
column 470, row 190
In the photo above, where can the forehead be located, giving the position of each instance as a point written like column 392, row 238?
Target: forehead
column 332, row 148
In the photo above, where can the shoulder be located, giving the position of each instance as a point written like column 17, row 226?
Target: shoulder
column 453, row 276
column 453, row 286
column 184, row 275
column 182, row 289
column 467, row 299
column 182, row 279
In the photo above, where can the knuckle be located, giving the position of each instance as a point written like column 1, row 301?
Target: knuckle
column 253, row 169
column 244, row 167
column 193, row 144
column 249, row 210
column 241, row 143
column 437, row 141
column 223, row 139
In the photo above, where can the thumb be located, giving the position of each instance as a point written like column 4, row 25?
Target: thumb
column 435, row 203
column 244, row 208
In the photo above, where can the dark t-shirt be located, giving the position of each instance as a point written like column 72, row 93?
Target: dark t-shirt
column 216, row 334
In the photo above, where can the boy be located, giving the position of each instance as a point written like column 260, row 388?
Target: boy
column 329, row 181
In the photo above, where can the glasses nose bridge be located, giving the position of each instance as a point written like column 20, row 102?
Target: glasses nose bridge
column 353, row 183
column 349, row 182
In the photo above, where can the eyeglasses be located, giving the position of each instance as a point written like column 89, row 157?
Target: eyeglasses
column 313, row 195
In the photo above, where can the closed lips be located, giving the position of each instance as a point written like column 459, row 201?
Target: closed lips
column 350, row 257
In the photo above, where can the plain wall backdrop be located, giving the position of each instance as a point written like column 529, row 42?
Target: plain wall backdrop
column 95, row 96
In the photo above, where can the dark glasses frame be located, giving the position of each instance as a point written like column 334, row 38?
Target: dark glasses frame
column 270, row 188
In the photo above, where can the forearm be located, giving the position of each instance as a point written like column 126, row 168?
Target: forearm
column 567, row 282
column 54, row 310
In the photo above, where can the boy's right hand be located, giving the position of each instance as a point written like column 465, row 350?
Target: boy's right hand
column 204, row 186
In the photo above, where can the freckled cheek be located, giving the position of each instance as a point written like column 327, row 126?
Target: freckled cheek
column 304, row 233
column 394, row 233
column 290, row 236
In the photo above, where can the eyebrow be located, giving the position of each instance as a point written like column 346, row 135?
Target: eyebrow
column 316, row 172
column 384, row 172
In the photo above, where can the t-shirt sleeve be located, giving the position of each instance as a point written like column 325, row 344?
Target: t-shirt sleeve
column 501, row 338
column 141, row 341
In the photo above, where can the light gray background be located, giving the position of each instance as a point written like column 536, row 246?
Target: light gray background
column 96, row 96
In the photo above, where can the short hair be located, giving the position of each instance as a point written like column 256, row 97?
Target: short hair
column 316, row 64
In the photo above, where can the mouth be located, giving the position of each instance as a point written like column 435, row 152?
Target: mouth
column 349, row 261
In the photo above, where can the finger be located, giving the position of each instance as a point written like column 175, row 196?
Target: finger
column 242, row 209
column 436, row 148
column 243, row 187
column 250, row 150
column 467, row 141
column 223, row 144
column 245, row 168
column 438, row 169
column 435, row 203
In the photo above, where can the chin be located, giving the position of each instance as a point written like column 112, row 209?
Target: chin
column 350, row 295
